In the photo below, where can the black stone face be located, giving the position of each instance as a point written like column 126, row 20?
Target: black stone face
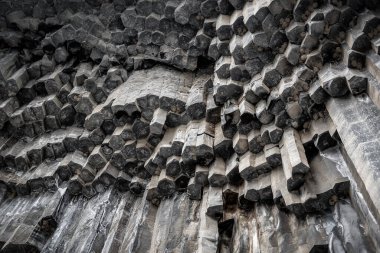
column 189, row 126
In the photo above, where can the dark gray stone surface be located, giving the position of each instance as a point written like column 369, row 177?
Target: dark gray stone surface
column 189, row 126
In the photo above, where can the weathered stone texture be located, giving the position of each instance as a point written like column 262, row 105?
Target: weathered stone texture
column 189, row 126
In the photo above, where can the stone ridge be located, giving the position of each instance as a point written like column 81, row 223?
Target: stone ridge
column 189, row 126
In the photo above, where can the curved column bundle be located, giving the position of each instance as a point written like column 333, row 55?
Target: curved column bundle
column 189, row 126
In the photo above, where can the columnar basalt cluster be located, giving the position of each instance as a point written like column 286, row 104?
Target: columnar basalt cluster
column 189, row 126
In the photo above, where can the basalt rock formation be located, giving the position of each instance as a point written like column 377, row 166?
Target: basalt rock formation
column 189, row 126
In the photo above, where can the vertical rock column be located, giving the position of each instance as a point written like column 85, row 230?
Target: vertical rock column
column 358, row 123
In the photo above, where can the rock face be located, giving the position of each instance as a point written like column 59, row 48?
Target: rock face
column 189, row 126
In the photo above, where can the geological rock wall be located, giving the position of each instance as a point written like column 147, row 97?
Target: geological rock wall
column 189, row 126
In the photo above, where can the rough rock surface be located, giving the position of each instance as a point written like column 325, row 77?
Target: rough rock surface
column 189, row 126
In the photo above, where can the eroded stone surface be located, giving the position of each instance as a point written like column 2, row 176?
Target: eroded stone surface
column 189, row 126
